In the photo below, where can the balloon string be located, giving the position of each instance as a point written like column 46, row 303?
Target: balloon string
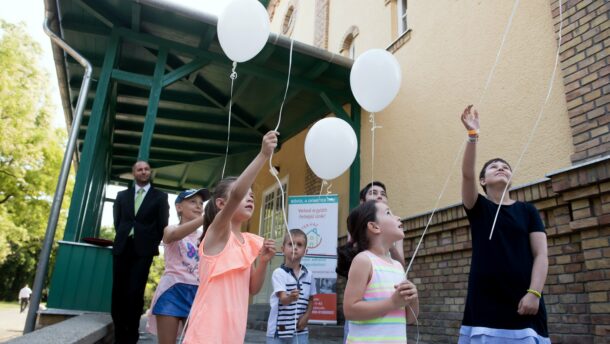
column 457, row 156
column 453, row 166
column 181, row 338
column 416, row 322
column 233, row 76
column 498, row 53
column 535, row 127
column 374, row 127
column 328, row 186
column 272, row 169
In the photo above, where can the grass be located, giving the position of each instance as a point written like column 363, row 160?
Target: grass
column 7, row 305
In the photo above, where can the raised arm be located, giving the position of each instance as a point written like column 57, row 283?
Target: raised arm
column 219, row 228
column 175, row 233
column 470, row 119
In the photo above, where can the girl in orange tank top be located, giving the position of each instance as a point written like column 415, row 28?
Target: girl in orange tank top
column 227, row 273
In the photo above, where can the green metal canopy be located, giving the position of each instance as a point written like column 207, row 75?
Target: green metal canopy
column 168, row 89
column 160, row 92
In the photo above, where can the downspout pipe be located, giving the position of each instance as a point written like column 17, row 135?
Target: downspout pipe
column 45, row 253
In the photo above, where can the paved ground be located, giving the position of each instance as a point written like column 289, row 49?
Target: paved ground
column 252, row 337
column 11, row 323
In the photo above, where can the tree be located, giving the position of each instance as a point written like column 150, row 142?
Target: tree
column 31, row 152
column 156, row 270
column 107, row 232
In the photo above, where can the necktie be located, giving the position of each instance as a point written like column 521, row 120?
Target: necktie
column 139, row 198
column 138, row 202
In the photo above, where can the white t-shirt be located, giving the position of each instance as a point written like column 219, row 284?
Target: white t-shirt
column 25, row 292
column 282, row 317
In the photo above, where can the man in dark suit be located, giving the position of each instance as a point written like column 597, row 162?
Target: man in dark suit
column 140, row 215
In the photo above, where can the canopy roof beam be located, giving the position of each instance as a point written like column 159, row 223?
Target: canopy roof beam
column 248, row 67
column 272, row 105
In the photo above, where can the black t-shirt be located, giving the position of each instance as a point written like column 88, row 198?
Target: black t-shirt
column 501, row 268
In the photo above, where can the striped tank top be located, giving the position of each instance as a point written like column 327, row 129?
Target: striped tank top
column 392, row 327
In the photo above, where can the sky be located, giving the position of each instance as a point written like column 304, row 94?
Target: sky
column 31, row 12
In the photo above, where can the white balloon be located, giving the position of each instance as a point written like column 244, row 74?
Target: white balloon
column 243, row 29
column 330, row 147
column 375, row 79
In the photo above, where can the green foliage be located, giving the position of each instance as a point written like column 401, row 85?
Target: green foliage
column 156, row 270
column 31, row 152
column 107, row 232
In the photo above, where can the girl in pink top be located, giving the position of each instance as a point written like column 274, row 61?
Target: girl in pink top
column 227, row 274
column 176, row 290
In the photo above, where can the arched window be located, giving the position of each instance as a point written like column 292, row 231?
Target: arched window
column 402, row 16
column 289, row 19
column 348, row 46
column 273, row 4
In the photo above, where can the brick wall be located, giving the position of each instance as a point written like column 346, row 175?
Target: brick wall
column 575, row 207
column 586, row 74
column 312, row 182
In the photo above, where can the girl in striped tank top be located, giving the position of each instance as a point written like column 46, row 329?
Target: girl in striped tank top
column 377, row 293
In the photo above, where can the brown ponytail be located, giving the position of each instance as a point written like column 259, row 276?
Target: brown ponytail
column 357, row 226
column 221, row 190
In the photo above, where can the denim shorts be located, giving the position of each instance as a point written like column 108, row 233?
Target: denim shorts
column 176, row 301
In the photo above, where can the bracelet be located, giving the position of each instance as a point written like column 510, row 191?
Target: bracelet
column 535, row 292
column 473, row 132
column 473, row 139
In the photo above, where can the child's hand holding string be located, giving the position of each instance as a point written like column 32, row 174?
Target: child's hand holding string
column 294, row 294
column 405, row 294
column 268, row 250
column 269, row 143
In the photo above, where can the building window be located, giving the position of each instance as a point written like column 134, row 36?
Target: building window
column 289, row 19
column 348, row 46
column 402, row 17
column 272, row 219
column 271, row 7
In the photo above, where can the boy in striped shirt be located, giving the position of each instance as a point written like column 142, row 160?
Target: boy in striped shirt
column 292, row 297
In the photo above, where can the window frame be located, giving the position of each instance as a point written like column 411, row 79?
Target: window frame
column 289, row 20
column 277, row 222
column 403, row 24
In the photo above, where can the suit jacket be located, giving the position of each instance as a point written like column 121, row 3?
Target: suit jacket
column 148, row 223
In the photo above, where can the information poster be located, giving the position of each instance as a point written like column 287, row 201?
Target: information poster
column 318, row 217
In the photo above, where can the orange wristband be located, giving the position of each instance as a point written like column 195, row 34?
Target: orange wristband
column 473, row 132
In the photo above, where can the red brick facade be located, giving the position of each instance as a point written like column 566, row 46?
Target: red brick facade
column 586, row 74
column 575, row 207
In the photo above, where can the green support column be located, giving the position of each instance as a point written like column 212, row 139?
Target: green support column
column 94, row 205
column 92, row 138
column 354, row 121
column 153, row 105
column 354, row 170
column 336, row 108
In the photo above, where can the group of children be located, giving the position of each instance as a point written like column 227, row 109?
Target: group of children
column 211, row 273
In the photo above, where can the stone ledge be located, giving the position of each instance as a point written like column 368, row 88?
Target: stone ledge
column 82, row 329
